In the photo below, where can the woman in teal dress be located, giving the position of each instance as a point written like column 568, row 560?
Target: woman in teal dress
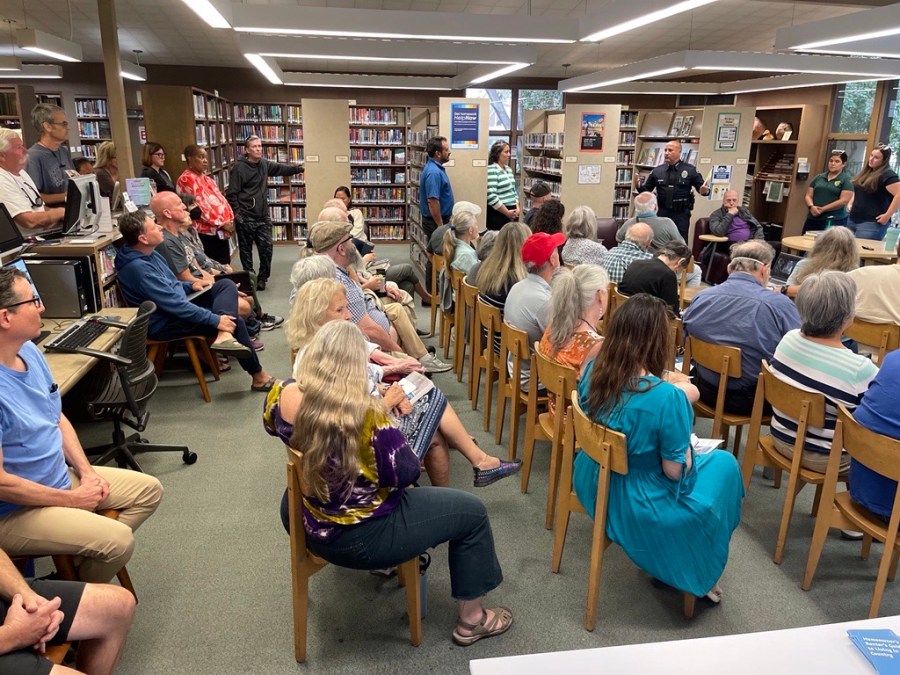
column 673, row 512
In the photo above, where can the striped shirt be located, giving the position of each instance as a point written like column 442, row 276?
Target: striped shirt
column 360, row 304
column 839, row 374
column 501, row 186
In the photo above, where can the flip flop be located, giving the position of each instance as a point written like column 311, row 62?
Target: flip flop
column 231, row 347
column 498, row 625
column 265, row 387
column 222, row 361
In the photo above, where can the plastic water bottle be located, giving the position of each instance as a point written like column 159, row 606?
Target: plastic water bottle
column 892, row 236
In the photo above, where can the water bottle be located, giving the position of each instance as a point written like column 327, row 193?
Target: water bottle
column 892, row 236
column 829, row 221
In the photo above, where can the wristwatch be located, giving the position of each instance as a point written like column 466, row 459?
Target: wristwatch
column 784, row 289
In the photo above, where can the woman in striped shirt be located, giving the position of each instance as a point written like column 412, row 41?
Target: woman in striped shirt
column 502, row 195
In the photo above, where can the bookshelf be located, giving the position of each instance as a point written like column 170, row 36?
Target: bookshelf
column 378, row 166
column 421, row 125
column 11, row 114
column 92, row 116
column 542, row 147
column 280, row 126
column 658, row 127
column 628, row 127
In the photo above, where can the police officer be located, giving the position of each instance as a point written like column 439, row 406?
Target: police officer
column 674, row 182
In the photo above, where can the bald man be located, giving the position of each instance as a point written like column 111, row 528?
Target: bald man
column 734, row 221
column 675, row 181
column 636, row 246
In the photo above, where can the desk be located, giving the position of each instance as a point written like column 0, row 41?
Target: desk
column 824, row 650
column 101, row 248
column 803, row 243
column 690, row 292
column 68, row 369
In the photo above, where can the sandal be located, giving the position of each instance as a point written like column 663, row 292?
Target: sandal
column 265, row 387
column 498, row 625
column 222, row 360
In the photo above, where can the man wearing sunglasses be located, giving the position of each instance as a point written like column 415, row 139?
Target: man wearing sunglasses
column 49, row 159
column 17, row 189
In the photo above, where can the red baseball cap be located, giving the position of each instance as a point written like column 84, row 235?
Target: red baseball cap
column 538, row 248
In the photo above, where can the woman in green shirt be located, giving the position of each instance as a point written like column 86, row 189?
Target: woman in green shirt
column 828, row 195
column 502, row 194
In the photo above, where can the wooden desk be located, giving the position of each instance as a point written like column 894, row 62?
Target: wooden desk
column 690, row 292
column 68, row 369
column 872, row 253
column 824, row 650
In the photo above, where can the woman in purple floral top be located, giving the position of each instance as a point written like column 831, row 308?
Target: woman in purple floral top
column 358, row 512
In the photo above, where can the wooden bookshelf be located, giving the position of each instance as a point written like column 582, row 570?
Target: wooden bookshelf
column 421, row 125
column 92, row 116
column 542, row 146
column 628, row 128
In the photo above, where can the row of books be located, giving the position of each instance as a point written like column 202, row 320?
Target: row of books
column 296, row 179
column 555, row 186
column 378, row 194
column 269, row 133
column 386, row 176
column 620, row 211
column 625, row 157
column 415, row 175
column 552, row 165
column 245, row 112
column 377, row 116
column 210, row 108
column 377, row 156
column 295, row 134
column 655, row 155
column 107, row 258
column 552, row 141
column 417, row 158
column 376, row 136
column 91, row 107
column 275, row 154
column 421, row 137
column 287, row 214
column 412, row 196
column 622, row 194
column 394, row 232
column 375, row 214
column 627, row 137
column 623, row 175
column 285, row 232
column 217, row 133
column 628, row 118
column 94, row 130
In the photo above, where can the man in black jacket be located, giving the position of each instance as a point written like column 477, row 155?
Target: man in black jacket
column 248, row 198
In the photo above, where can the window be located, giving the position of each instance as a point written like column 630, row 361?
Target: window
column 853, row 108
column 500, row 117
column 538, row 99
column 857, row 153
column 890, row 129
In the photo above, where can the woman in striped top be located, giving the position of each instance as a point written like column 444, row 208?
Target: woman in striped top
column 502, row 195
column 357, row 510
column 814, row 359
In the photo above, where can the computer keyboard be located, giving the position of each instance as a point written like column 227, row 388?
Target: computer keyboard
column 79, row 334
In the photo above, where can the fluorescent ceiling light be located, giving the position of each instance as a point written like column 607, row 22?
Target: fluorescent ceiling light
column 639, row 70
column 499, row 73
column 623, row 16
column 48, row 45
column 886, row 47
column 402, row 25
column 873, row 23
column 664, row 87
column 10, row 63
column 132, row 71
column 367, row 81
column 34, row 73
column 797, row 81
column 267, row 67
column 211, row 11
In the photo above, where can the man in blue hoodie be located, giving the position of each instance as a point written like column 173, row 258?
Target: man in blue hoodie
column 143, row 274
column 248, row 196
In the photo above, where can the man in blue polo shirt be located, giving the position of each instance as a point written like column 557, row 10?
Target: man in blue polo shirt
column 435, row 193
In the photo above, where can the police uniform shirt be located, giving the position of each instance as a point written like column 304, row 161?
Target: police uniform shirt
column 674, row 185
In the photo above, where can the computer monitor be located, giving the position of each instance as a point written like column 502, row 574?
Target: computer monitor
column 19, row 264
column 10, row 237
column 82, row 204
column 115, row 201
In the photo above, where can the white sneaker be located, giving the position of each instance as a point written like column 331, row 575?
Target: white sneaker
column 433, row 364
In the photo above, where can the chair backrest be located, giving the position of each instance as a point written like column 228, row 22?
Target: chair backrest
column 616, row 300
column 489, row 321
column 806, row 407
column 606, row 231
column 558, row 379
column 701, row 226
column 682, row 282
column 456, row 278
column 295, row 503
column 437, row 264
column 885, row 337
column 722, row 359
column 606, row 447
column 876, row 451
column 469, row 294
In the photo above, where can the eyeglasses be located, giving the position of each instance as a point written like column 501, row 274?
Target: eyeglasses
column 36, row 301
column 36, row 201
column 344, row 241
column 159, row 154
column 64, row 123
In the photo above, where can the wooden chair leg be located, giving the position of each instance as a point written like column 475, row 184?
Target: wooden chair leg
column 690, row 602
column 476, row 387
column 157, row 354
column 65, row 567
column 410, row 573
column 125, row 582
column 816, row 499
column 815, row 548
column 210, row 359
column 473, row 366
column 504, row 392
column 892, row 573
column 198, row 369
column 301, row 614
column 777, row 480
column 515, row 414
column 866, row 547
column 738, row 432
column 884, row 568
column 553, row 483
column 794, row 487
column 489, row 379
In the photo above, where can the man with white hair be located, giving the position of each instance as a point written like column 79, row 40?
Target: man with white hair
column 635, row 247
column 646, row 207
column 18, row 191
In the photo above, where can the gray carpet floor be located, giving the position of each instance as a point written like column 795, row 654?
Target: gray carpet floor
column 212, row 567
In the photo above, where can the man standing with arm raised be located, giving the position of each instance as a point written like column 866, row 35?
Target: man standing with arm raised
column 674, row 182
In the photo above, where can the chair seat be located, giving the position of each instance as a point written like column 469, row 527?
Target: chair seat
column 196, row 345
column 728, row 418
column 863, row 519
column 767, row 445
column 546, row 422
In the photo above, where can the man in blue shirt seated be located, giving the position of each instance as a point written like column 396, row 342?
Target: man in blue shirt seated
column 143, row 274
column 741, row 312
column 49, row 491
column 46, row 613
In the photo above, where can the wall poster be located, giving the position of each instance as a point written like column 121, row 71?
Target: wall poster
column 592, row 132
column 464, row 126
column 727, row 128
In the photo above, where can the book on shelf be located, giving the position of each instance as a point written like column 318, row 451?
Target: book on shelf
column 688, row 125
column 677, row 124
column 91, row 107
column 377, row 116
column 244, row 112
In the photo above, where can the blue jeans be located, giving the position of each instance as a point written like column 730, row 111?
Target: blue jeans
column 424, row 518
column 814, row 224
column 868, row 230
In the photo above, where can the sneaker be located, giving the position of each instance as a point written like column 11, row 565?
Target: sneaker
column 257, row 345
column 433, row 364
column 851, row 535
column 485, row 477
column 270, row 321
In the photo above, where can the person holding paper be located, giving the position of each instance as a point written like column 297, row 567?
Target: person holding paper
column 18, row 191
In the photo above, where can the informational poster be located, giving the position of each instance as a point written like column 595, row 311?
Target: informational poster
column 592, row 132
column 589, row 174
column 719, row 180
column 727, row 128
column 464, row 126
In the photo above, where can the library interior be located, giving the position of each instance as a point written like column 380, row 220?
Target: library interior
column 504, row 227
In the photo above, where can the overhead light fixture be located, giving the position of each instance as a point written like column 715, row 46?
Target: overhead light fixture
column 212, row 12
column 349, row 81
column 34, row 73
column 402, row 25
column 10, row 63
column 797, row 81
column 664, row 87
column 506, row 70
column 870, row 24
column 132, row 71
column 639, row 70
column 267, row 67
column 49, row 45
column 623, row 16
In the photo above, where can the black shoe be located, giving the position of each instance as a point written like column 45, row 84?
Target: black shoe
column 422, row 333
column 260, row 284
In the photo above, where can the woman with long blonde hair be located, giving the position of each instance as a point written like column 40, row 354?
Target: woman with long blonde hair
column 106, row 168
column 876, row 195
column 835, row 249
column 503, row 266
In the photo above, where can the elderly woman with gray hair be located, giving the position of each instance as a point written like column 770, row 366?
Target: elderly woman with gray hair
column 582, row 247
column 814, row 359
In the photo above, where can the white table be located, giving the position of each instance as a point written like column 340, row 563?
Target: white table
column 823, row 650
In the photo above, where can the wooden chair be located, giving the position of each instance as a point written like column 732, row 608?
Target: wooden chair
column 726, row 361
column 437, row 264
column 305, row 564
column 515, row 348
column 808, row 408
column 560, row 381
column 836, row 509
column 448, row 319
column 489, row 323
column 885, row 337
column 474, row 340
column 465, row 308
column 196, row 346
column 682, row 284
column 609, row 449
column 676, row 329
column 615, row 301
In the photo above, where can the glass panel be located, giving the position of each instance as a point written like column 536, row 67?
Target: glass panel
column 538, row 99
column 856, row 155
column 505, row 138
column 853, row 108
column 501, row 106
column 890, row 131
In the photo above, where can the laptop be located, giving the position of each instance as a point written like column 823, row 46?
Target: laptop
column 11, row 240
column 783, row 267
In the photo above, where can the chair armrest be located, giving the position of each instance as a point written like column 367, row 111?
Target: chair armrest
column 112, row 323
column 96, row 353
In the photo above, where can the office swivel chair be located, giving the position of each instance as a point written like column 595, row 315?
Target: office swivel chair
column 123, row 396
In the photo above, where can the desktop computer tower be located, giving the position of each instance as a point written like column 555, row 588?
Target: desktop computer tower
column 60, row 285
column 89, row 277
